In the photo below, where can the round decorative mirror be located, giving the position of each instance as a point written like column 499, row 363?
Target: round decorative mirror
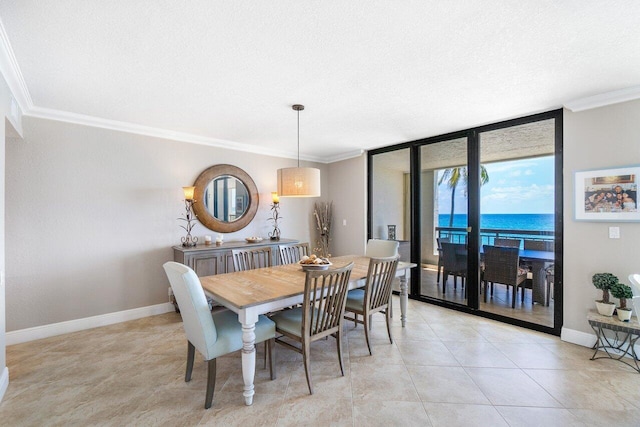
column 226, row 198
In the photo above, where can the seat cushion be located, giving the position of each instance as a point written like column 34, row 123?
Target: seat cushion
column 355, row 300
column 290, row 321
column 230, row 332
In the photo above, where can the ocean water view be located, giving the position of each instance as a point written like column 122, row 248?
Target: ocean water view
column 543, row 222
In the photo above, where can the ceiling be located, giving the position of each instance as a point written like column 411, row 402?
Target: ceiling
column 370, row 73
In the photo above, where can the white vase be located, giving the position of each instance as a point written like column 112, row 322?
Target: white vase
column 624, row 314
column 605, row 309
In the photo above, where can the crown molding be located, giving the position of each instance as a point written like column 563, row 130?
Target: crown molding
column 85, row 120
column 344, row 156
column 603, row 99
column 12, row 74
column 11, row 71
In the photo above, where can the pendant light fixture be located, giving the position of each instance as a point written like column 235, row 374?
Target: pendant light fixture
column 298, row 182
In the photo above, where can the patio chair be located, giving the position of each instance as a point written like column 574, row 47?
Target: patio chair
column 501, row 265
column 454, row 259
column 439, row 241
column 507, row 243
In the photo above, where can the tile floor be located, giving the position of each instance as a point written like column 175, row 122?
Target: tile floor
column 444, row 368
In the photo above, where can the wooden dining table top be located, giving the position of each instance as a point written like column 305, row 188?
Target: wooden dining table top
column 253, row 287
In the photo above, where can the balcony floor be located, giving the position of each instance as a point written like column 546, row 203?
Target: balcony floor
column 499, row 304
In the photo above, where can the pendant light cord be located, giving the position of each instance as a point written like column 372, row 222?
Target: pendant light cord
column 298, row 138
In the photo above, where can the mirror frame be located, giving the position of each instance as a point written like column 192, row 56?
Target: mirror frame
column 209, row 220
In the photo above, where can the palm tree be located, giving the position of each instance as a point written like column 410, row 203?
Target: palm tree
column 452, row 176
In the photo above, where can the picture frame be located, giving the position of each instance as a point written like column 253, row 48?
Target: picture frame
column 607, row 194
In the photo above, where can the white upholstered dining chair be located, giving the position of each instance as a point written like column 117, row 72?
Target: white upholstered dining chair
column 377, row 248
column 214, row 334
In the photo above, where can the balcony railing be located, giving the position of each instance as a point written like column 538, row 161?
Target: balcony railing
column 488, row 235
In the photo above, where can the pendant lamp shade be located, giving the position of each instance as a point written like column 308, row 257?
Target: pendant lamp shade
column 299, row 182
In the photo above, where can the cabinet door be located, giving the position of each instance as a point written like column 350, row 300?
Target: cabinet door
column 206, row 264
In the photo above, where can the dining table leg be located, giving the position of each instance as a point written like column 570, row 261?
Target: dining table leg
column 248, row 355
column 404, row 297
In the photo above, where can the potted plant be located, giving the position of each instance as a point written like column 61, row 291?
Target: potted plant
column 604, row 281
column 622, row 292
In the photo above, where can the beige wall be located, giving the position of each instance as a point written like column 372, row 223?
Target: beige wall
column 348, row 189
column 12, row 121
column 92, row 216
column 594, row 139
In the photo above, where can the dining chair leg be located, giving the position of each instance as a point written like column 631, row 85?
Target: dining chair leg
column 211, row 383
column 513, row 297
column 271, row 346
column 367, row 320
column 339, row 345
column 191, row 352
column 388, row 315
column 307, row 368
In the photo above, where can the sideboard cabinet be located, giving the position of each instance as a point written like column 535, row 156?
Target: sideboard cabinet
column 209, row 260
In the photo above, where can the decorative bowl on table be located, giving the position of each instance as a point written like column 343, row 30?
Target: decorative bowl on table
column 314, row 262
column 253, row 239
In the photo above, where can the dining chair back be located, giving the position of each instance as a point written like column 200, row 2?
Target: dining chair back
column 290, row 254
column 454, row 262
column 321, row 314
column 213, row 335
column 377, row 248
column 501, row 265
column 507, row 243
column 375, row 297
column 250, row 259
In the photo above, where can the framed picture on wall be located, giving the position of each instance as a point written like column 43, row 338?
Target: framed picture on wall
column 607, row 194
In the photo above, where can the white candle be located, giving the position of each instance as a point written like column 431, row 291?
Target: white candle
column 207, row 239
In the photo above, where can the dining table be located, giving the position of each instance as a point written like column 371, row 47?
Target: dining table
column 263, row 290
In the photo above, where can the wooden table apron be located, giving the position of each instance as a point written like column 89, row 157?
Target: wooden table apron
column 254, row 292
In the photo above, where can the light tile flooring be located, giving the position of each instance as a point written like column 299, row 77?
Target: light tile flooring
column 444, row 368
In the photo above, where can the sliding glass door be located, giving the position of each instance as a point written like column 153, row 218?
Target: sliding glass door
column 448, row 198
column 443, row 220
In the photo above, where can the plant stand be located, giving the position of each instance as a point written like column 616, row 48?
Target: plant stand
column 621, row 345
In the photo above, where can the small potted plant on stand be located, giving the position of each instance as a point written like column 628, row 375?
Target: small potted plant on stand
column 622, row 292
column 604, row 281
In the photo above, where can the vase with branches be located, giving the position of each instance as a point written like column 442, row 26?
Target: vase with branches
column 322, row 213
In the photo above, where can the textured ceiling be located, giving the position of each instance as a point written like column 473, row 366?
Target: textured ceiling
column 370, row 73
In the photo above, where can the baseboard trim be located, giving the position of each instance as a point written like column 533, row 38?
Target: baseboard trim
column 587, row 340
column 46, row 331
column 4, row 382
column 578, row 337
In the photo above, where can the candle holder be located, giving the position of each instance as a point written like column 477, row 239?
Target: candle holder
column 275, row 216
column 189, row 218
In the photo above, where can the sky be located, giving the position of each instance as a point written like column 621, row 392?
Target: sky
column 517, row 186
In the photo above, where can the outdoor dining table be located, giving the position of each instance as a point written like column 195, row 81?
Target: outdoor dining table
column 263, row 290
column 538, row 261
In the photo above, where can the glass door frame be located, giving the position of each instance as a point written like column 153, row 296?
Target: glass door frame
column 473, row 215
